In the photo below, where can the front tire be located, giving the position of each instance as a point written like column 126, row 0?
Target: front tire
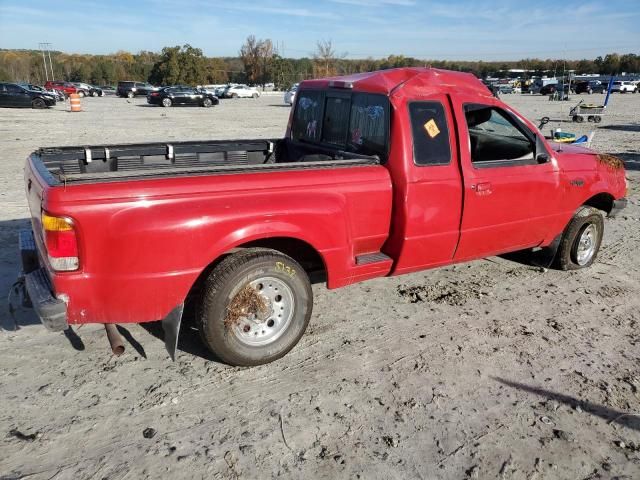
column 130, row 94
column 255, row 95
column 38, row 103
column 255, row 308
column 207, row 103
column 81, row 94
column 581, row 240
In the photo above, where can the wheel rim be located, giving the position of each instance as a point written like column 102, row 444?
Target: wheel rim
column 264, row 327
column 166, row 102
column 586, row 244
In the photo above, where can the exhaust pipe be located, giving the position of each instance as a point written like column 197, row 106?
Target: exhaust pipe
column 115, row 339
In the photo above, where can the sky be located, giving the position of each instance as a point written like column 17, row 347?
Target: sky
column 438, row 30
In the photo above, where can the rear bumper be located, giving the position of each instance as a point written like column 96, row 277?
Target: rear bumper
column 52, row 311
column 617, row 206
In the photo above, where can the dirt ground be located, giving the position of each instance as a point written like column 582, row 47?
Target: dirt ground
column 493, row 369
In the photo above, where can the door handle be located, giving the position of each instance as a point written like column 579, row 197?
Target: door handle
column 482, row 188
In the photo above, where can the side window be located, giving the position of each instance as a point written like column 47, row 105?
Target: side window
column 368, row 124
column 430, row 133
column 495, row 138
column 139, row 85
column 14, row 89
column 336, row 118
column 307, row 117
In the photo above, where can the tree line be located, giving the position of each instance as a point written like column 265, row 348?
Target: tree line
column 259, row 62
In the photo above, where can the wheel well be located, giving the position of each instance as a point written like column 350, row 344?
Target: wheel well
column 601, row 201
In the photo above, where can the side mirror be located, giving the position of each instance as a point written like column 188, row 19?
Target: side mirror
column 542, row 157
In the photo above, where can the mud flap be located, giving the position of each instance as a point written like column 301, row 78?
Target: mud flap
column 545, row 257
column 171, row 328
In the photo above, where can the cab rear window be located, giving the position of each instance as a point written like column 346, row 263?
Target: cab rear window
column 351, row 121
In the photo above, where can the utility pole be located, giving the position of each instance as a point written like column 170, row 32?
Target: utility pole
column 45, row 48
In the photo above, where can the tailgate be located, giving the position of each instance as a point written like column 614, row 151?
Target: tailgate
column 35, row 188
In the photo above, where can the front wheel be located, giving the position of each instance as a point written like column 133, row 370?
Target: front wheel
column 255, row 308
column 38, row 103
column 255, row 95
column 581, row 240
column 207, row 102
column 130, row 94
column 81, row 94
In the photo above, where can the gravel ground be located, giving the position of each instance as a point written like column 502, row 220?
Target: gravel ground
column 492, row 369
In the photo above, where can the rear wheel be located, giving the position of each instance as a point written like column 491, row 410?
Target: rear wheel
column 579, row 118
column 234, row 95
column 38, row 103
column 94, row 94
column 255, row 95
column 597, row 119
column 256, row 306
column 581, row 240
column 81, row 94
column 166, row 102
column 129, row 94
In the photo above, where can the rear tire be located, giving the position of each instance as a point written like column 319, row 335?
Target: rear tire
column 255, row 95
column 166, row 102
column 130, row 94
column 81, row 94
column 581, row 240
column 276, row 304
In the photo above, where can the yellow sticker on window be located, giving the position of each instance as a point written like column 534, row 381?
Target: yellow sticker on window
column 431, row 128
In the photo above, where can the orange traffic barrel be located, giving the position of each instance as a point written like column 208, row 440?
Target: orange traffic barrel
column 74, row 101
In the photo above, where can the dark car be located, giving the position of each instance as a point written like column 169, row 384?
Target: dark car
column 182, row 96
column 89, row 90
column 553, row 88
column 12, row 95
column 133, row 89
column 590, row 86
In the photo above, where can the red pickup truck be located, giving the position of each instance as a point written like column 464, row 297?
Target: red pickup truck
column 378, row 174
column 66, row 88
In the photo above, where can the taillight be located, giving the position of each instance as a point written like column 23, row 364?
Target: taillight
column 61, row 242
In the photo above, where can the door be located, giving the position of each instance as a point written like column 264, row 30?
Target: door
column 193, row 96
column 510, row 189
column 427, row 191
column 18, row 96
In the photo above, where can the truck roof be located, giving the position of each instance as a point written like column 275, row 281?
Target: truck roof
column 388, row 81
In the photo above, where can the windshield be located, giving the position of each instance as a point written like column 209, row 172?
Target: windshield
column 354, row 122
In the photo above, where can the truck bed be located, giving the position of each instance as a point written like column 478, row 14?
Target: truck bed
column 104, row 163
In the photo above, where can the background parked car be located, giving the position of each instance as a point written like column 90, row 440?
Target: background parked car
column 290, row 95
column 108, row 89
column 58, row 95
column 132, row 89
column 590, row 86
column 62, row 86
column 554, row 87
column 90, row 89
column 624, row 87
column 13, row 95
column 181, row 95
column 505, row 88
column 241, row 91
